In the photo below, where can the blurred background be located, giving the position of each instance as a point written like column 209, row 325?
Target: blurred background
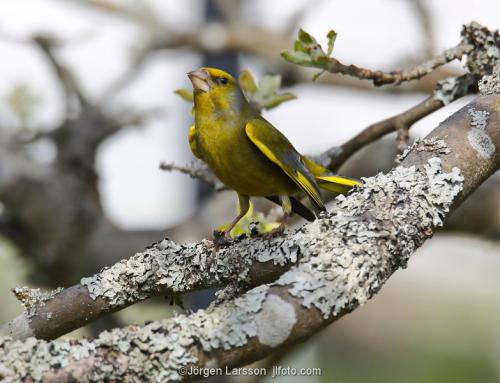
column 88, row 112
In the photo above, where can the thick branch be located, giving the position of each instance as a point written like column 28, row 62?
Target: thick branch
column 345, row 257
column 163, row 268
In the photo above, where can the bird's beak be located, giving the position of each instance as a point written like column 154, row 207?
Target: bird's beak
column 200, row 80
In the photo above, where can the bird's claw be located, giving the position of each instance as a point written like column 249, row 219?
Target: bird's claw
column 222, row 238
column 276, row 231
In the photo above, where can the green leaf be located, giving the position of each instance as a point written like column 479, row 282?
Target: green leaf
column 247, row 82
column 299, row 58
column 279, row 99
column 185, row 94
column 269, row 85
column 305, row 37
column 298, row 46
column 332, row 35
column 307, row 51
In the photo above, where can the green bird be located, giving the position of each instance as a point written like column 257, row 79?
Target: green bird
column 248, row 154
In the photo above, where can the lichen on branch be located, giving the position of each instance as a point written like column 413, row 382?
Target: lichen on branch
column 345, row 257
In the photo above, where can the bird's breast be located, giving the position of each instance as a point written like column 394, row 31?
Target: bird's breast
column 238, row 163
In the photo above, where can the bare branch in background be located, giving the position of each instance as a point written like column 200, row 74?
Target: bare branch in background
column 446, row 92
column 67, row 80
column 426, row 26
column 479, row 43
column 397, row 77
column 114, row 9
column 345, row 258
column 218, row 37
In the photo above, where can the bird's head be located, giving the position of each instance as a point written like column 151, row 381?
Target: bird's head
column 216, row 88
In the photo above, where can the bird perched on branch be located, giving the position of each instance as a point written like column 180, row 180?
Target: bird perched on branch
column 248, row 154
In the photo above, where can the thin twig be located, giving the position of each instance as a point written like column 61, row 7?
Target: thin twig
column 397, row 77
column 197, row 170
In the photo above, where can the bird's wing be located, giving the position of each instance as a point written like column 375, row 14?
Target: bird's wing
column 329, row 181
column 192, row 142
column 276, row 147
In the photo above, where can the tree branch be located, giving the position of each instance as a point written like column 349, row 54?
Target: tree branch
column 396, row 77
column 446, row 92
column 69, row 83
column 197, row 170
column 477, row 42
column 344, row 259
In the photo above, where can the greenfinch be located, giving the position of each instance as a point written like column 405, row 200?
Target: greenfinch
column 248, row 154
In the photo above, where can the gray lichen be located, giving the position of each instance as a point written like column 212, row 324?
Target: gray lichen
column 153, row 352
column 486, row 48
column 480, row 141
column 490, row 84
column 275, row 321
column 345, row 257
column 33, row 298
column 450, row 89
column 356, row 257
column 431, row 145
column 179, row 268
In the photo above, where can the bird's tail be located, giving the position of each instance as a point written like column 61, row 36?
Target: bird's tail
column 328, row 181
column 336, row 184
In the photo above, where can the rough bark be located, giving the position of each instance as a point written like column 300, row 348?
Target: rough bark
column 344, row 258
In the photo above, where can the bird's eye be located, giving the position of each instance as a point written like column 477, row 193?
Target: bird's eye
column 223, row 80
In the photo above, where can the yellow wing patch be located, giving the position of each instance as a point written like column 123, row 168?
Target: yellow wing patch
column 275, row 146
column 337, row 184
column 333, row 183
column 192, row 141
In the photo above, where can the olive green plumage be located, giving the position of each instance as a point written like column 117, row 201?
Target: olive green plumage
column 246, row 152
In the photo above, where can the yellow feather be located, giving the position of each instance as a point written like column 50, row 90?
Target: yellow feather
column 336, row 184
column 192, row 141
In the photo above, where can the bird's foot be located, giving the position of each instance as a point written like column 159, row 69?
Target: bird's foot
column 276, row 232
column 223, row 238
